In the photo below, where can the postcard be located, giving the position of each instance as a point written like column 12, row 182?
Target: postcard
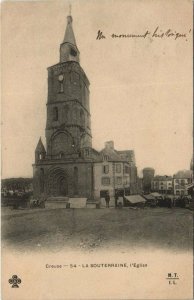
column 97, row 150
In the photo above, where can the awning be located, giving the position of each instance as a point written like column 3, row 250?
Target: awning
column 149, row 197
column 155, row 194
column 135, row 199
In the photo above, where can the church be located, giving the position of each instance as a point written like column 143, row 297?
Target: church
column 68, row 165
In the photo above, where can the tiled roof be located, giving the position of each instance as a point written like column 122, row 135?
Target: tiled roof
column 69, row 34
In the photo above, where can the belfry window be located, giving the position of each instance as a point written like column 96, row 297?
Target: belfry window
column 73, row 52
column 55, row 114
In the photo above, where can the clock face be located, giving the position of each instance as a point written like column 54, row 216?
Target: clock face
column 61, row 77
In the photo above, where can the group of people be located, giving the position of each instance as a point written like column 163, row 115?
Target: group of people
column 107, row 199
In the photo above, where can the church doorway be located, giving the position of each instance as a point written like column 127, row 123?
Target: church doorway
column 57, row 184
column 63, row 187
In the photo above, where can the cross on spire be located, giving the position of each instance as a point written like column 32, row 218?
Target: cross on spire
column 68, row 48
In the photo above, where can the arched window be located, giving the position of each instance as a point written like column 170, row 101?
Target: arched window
column 73, row 52
column 55, row 114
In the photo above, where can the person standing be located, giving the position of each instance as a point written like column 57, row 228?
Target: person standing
column 107, row 199
column 116, row 198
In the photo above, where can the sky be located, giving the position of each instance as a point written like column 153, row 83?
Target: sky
column 140, row 88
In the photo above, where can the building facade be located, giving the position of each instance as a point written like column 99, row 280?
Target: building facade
column 162, row 185
column 111, row 173
column 65, row 166
column 129, row 156
column 176, row 185
column 68, row 165
column 180, row 182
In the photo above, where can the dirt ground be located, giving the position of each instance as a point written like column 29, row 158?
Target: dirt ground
column 93, row 229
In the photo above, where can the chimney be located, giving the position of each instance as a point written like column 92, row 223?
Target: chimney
column 109, row 145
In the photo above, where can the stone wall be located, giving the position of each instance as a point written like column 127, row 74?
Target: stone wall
column 63, row 179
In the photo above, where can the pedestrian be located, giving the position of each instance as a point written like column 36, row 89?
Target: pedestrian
column 107, row 199
column 116, row 198
column 169, row 202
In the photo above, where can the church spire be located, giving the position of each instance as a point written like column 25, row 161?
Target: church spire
column 69, row 34
column 40, row 151
column 40, row 147
column 68, row 49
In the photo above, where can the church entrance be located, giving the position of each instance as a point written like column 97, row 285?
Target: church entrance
column 63, row 187
column 57, row 182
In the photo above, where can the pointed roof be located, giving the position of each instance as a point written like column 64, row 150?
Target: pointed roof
column 40, row 147
column 69, row 34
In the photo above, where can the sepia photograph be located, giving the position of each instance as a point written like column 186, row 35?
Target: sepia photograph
column 97, row 193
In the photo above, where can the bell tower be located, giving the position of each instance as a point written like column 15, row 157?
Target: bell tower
column 68, row 128
column 65, row 166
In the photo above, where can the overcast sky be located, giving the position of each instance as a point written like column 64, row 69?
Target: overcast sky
column 141, row 88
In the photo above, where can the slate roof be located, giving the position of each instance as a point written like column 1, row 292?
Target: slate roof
column 183, row 174
column 111, row 154
column 40, row 147
column 69, row 34
column 162, row 178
